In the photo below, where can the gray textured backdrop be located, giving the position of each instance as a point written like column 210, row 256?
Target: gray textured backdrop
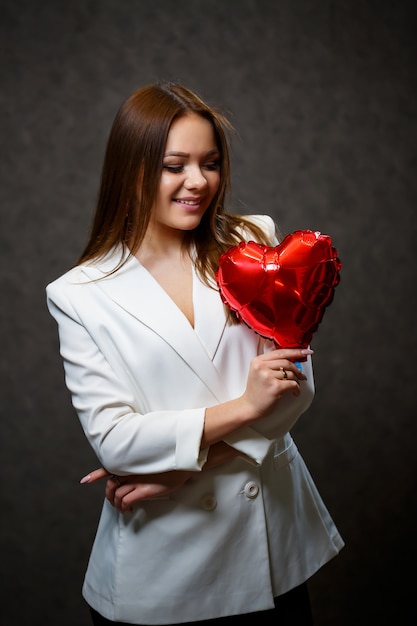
column 322, row 95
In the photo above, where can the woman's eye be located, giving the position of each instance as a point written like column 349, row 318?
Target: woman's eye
column 174, row 169
column 177, row 169
column 215, row 165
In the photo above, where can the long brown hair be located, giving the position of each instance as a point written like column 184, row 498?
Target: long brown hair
column 131, row 173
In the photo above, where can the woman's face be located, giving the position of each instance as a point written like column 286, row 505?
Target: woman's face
column 190, row 176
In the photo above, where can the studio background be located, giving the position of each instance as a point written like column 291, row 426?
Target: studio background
column 322, row 96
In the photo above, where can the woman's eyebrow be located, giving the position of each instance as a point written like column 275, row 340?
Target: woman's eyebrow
column 186, row 154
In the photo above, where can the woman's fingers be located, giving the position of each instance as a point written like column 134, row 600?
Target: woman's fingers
column 288, row 363
column 292, row 354
column 287, row 370
column 117, row 496
column 122, row 497
column 124, row 491
column 95, row 475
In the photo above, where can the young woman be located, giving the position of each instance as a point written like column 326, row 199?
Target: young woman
column 210, row 511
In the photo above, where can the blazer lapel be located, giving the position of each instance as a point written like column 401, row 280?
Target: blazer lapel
column 209, row 315
column 134, row 289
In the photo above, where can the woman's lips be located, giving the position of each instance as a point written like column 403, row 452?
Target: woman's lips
column 192, row 203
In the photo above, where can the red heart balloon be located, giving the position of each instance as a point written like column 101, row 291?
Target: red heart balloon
column 281, row 292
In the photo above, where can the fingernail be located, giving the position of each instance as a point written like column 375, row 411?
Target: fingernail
column 307, row 351
column 85, row 479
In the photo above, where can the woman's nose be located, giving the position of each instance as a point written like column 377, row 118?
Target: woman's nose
column 195, row 179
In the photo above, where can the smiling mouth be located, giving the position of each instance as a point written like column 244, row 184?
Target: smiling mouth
column 188, row 202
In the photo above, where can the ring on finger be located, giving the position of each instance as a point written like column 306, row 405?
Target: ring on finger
column 116, row 479
column 284, row 373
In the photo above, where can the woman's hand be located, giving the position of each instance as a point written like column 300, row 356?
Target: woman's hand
column 271, row 375
column 125, row 491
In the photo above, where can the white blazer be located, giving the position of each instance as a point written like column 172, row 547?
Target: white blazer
column 141, row 378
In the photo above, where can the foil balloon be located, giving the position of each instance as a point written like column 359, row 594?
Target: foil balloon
column 281, row 292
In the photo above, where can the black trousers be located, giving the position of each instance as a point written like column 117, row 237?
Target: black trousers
column 291, row 609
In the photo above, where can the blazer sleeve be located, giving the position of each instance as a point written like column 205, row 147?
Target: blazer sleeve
column 125, row 440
